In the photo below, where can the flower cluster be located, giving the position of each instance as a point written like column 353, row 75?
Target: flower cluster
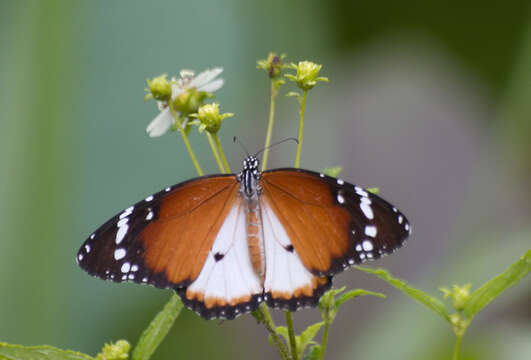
column 178, row 98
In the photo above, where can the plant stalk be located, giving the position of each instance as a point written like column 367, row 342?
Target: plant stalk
column 263, row 316
column 272, row 103
column 186, row 141
column 215, row 152
column 220, row 149
column 325, row 339
column 301, row 127
column 457, row 347
column 291, row 334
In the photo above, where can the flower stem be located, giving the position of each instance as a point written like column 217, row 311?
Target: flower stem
column 215, row 151
column 291, row 334
column 457, row 347
column 220, row 149
column 263, row 316
column 325, row 339
column 186, row 141
column 301, row 127
column 274, row 93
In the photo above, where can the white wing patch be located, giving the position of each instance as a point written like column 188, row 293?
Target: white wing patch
column 227, row 284
column 287, row 279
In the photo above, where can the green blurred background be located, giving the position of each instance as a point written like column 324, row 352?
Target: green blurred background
column 429, row 100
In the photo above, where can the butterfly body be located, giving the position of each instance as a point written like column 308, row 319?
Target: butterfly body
column 226, row 243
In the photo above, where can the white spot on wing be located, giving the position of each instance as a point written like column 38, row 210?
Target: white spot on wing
column 125, row 267
column 92, row 236
column 400, row 219
column 80, row 257
column 367, row 210
column 340, row 182
column 149, row 198
column 370, row 230
column 120, row 234
column 367, row 245
column 122, row 222
column 127, row 212
column 87, row 248
column 167, row 189
column 149, row 216
column 134, row 268
column 119, row 253
column 361, row 192
column 340, row 199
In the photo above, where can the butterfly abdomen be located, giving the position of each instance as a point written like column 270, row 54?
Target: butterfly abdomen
column 255, row 238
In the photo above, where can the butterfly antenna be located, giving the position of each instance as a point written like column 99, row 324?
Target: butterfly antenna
column 235, row 139
column 277, row 143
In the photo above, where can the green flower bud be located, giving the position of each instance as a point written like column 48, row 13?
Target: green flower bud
column 459, row 295
column 272, row 65
column 117, row 351
column 189, row 101
column 306, row 76
column 209, row 118
column 159, row 87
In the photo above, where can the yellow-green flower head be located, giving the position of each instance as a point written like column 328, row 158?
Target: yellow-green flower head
column 459, row 295
column 273, row 64
column 189, row 101
column 117, row 351
column 210, row 118
column 159, row 87
column 306, row 76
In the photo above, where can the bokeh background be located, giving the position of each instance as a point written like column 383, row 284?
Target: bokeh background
column 428, row 100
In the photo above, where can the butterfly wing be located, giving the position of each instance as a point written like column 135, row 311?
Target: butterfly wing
column 332, row 224
column 164, row 239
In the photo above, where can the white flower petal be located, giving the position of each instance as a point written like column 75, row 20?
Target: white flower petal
column 211, row 86
column 205, row 77
column 160, row 124
column 176, row 90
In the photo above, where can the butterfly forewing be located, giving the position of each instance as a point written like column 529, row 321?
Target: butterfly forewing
column 160, row 239
column 332, row 224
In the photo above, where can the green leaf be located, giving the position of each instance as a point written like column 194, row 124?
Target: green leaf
column 157, row 329
column 44, row 352
column 283, row 331
column 429, row 301
column 354, row 293
column 314, row 353
column 496, row 286
column 307, row 336
column 333, row 171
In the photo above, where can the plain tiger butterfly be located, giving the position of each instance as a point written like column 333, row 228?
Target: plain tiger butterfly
column 226, row 243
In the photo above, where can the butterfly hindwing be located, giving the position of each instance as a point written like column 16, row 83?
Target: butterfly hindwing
column 227, row 285
column 332, row 224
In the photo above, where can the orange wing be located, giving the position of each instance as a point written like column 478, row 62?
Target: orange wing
column 332, row 224
column 164, row 239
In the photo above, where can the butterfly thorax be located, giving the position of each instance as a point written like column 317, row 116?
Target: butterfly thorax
column 249, row 178
column 250, row 190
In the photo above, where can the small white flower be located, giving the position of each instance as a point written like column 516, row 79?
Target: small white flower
column 161, row 123
column 205, row 81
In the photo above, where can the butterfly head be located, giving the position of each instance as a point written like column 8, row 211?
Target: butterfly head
column 249, row 177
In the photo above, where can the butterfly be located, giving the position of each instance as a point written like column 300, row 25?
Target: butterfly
column 225, row 243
